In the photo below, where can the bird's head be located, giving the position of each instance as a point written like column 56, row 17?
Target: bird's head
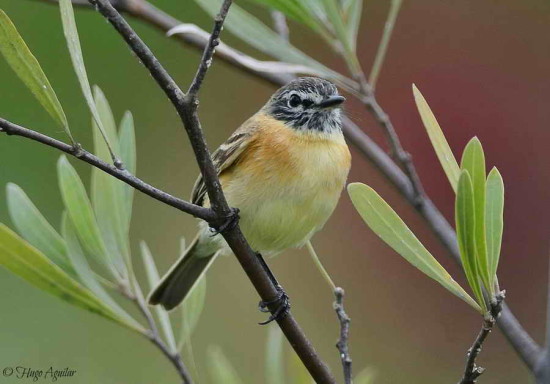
column 308, row 104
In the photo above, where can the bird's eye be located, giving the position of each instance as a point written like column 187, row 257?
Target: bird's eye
column 294, row 101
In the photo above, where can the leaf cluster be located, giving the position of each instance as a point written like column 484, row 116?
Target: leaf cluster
column 479, row 206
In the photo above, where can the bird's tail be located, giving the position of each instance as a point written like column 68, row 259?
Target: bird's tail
column 182, row 277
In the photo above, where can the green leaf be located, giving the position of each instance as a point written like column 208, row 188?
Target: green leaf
column 30, row 223
column 27, row 68
column 127, row 143
column 191, row 310
column 473, row 160
column 274, row 363
column 80, row 212
column 294, row 9
column 352, row 15
column 335, row 17
column 465, row 233
column 75, row 51
column 442, row 149
column 220, row 368
column 153, row 278
column 383, row 221
column 255, row 33
column 395, row 6
column 20, row 258
column 86, row 274
column 365, row 376
column 494, row 224
column 108, row 193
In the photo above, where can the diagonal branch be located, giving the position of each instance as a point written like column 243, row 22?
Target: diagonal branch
column 153, row 333
column 121, row 174
column 525, row 346
column 401, row 156
column 186, row 106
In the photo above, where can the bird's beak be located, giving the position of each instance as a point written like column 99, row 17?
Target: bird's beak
column 331, row 102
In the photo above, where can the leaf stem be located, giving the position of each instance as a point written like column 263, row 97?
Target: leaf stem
column 320, row 266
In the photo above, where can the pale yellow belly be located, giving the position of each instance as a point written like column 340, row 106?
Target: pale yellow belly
column 283, row 202
column 286, row 187
column 273, row 219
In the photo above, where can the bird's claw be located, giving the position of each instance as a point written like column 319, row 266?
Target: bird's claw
column 230, row 222
column 283, row 306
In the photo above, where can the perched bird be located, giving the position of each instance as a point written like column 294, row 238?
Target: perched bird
column 284, row 169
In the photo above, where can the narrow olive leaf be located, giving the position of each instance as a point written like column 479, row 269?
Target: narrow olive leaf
column 365, row 376
column 293, row 9
column 81, row 213
column 153, row 278
column 191, row 310
column 465, row 233
column 317, row 9
column 274, row 357
column 473, row 161
column 442, row 149
column 75, row 51
column 352, row 15
column 86, row 274
column 107, row 193
column 385, row 222
column 24, row 64
column 220, row 368
column 346, row 48
column 127, row 143
column 494, row 220
column 34, row 228
column 25, row 261
column 395, row 6
column 258, row 35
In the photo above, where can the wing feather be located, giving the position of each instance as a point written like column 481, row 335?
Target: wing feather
column 225, row 156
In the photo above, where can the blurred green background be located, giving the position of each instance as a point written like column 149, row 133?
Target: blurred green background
column 483, row 67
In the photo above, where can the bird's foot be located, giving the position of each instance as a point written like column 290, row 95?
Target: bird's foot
column 230, row 221
column 282, row 303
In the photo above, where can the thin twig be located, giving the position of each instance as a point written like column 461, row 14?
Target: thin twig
column 472, row 370
column 542, row 370
column 528, row 350
column 401, row 156
column 186, row 106
column 279, row 24
column 155, row 338
column 123, row 175
column 342, row 343
column 395, row 5
column 135, row 295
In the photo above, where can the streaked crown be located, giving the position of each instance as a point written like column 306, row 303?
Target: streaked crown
column 307, row 104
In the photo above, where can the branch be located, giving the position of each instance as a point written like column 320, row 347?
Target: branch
column 472, row 370
column 401, row 156
column 542, row 369
column 342, row 343
column 280, row 25
column 525, row 346
column 121, row 174
column 186, row 106
column 153, row 334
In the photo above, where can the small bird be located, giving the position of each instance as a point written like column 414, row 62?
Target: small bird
column 284, row 169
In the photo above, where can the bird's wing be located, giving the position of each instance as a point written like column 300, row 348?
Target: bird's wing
column 226, row 155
